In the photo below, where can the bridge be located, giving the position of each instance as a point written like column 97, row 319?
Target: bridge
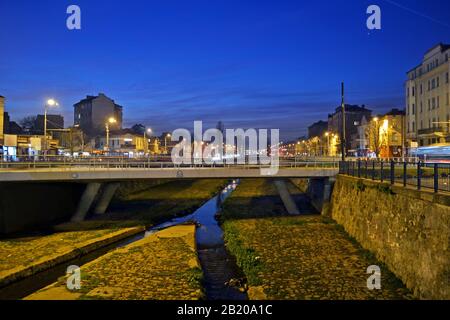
column 28, row 188
column 86, row 171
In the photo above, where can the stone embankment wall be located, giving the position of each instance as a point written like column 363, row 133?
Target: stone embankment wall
column 408, row 230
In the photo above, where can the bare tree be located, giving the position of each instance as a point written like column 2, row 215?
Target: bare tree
column 28, row 123
column 73, row 139
column 376, row 141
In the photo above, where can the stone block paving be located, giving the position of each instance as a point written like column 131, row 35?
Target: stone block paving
column 163, row 266
column 39, row 252
column 310, row 257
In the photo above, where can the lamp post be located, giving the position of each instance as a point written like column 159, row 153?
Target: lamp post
column 149, row 131
column 376, row 136
column 327, row 134
column 343, row 133
column 110, row 121
column 165, row 141
column 49, row 103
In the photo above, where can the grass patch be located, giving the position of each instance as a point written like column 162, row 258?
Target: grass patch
column 247, row 258
column 253, row 198
column 165, row 201
column 195, row 276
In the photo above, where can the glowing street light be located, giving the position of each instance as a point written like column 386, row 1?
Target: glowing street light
column 327, row 134
column 149, row 131
column 49, row 103
column 110, row 121
column 165, row 141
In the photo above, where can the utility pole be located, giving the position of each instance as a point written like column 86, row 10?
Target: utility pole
column 107, row 137
column 343, row 138
column 45, row 131
column 49, row 103
column 403, row 138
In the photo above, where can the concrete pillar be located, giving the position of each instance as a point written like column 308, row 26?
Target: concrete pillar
column 86, row 201
column 108, row 193
column 327, row 190
column 289, row 203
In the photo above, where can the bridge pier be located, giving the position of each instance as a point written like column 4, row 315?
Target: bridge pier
column 86, row 201
column 105, row 198
column 289, row 203
column 319, row 191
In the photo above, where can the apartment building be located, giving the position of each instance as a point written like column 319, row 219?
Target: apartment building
column 427, row 99
column 91, row 114
column 354, row 114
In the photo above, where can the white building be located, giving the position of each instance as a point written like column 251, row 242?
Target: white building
column 427, row 99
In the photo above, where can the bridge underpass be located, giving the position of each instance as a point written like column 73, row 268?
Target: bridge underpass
column 82, row 189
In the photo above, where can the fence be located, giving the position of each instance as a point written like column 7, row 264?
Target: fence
column 434, row 176
column 102, row 162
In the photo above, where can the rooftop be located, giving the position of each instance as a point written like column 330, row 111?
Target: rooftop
column 352, row 108
column 396, row 112
column 125, row 131
column 443, row 47
column 90, row 98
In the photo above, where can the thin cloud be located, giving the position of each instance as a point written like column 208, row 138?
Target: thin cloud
column 420, row 14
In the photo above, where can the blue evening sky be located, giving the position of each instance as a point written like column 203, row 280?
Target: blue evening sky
column 248, row 63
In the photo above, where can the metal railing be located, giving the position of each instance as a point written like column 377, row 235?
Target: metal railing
column 161, row 162
column 419, row 174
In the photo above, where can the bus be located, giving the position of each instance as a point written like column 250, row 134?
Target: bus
column 434, row 153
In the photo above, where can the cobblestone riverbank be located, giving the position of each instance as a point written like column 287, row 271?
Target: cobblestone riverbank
column 302, row 257
column 162, row 266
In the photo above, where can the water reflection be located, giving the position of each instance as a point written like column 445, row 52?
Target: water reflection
column 209, row 233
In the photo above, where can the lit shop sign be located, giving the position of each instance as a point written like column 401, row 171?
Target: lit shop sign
column 10, row 140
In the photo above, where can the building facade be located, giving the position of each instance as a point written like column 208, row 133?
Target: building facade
column 393, row 132
column 353, row 117
column 382, row 136
column 317, row 129
column 123, row 142
column 92, row 113
column 427, row 99
column 54, row 122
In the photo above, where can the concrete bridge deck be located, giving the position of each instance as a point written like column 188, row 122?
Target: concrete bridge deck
column 61, row 191
column 105, row 172
column 120, row 174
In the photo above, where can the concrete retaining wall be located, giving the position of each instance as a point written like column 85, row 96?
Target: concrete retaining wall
column 318, row 191
column 409, row 230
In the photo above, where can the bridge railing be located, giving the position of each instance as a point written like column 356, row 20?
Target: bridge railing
column 435, row 176
column 93, row 163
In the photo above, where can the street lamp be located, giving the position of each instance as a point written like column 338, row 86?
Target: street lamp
column 165, row 141
column 327, row 134
column 110, row 121
column 149, row 131
column 49, row 103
